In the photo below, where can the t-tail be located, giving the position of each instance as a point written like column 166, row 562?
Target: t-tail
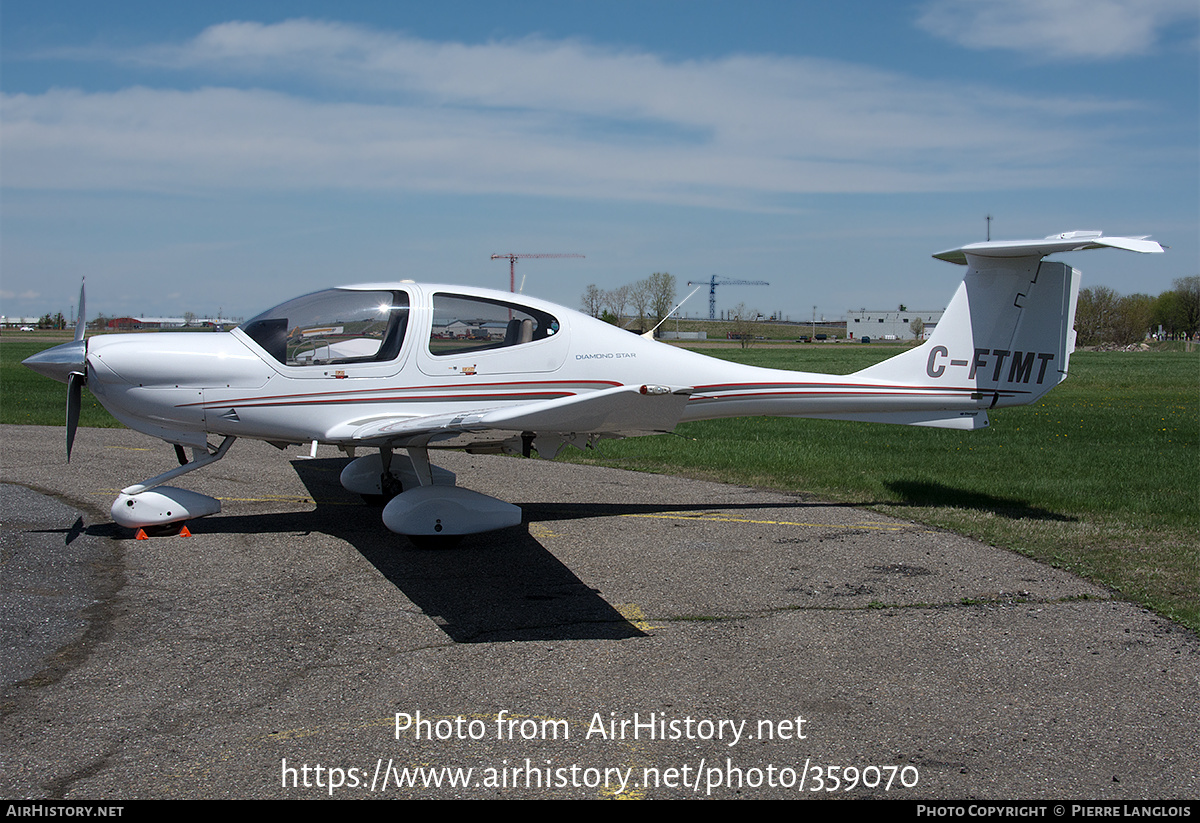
column 1007, row 336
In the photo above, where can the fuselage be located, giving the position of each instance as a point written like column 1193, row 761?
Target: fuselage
column 406, row 366
column 298, row 374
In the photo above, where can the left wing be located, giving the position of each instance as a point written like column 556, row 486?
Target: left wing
column 622, row 411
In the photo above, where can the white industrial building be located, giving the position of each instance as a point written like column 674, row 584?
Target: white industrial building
column 889, row 325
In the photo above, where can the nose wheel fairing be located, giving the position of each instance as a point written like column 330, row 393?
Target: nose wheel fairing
column 150, row 503
column 161, row 506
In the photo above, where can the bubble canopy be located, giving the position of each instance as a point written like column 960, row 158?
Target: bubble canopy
column 333, row 326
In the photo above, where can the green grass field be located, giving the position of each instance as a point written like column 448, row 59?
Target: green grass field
column 28, row 398
column 1101, row 477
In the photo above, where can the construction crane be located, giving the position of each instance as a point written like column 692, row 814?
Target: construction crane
column 712, row 290
column 512, row 265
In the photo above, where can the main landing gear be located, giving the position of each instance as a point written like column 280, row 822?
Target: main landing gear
column 421, row 500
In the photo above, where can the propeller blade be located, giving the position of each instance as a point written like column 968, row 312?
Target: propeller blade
column 80, row 322
column 75, row 382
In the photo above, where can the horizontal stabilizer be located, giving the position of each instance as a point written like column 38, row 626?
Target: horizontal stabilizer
column 1067, row 241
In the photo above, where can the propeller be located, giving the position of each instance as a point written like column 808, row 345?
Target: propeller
column 80, row 325
column 75, row 382
column 77, row 379
column 67, row 364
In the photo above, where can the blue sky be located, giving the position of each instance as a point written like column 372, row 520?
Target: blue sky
column 226, row 156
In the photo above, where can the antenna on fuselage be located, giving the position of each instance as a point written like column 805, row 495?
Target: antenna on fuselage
column 650, row 334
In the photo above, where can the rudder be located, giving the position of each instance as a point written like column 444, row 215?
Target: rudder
column 1007, row 333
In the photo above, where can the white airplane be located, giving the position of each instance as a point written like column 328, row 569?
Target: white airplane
column 402, row 368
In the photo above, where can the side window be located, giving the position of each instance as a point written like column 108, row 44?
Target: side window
column 333, row 327
column 463, row 324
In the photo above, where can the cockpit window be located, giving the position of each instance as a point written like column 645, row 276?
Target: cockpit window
column 463, row 324
column 332, row 327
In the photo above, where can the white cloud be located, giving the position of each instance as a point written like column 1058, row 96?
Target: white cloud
column 29, row 294
column 535, row 117
column 1058, row 29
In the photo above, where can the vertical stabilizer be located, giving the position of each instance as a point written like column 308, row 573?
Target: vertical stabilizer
column 1008, row 333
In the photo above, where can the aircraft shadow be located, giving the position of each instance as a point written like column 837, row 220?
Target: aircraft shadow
column 72, row 533
column 499, row 586
column 920, row 493
column 580, row 511
column 493, row 587
column 505, row 585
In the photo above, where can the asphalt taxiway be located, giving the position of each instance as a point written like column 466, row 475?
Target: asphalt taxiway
column 638, row 636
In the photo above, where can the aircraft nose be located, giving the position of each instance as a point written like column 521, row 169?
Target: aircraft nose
column 59, row 362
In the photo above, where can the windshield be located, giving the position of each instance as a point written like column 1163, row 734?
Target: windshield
column 333, row 326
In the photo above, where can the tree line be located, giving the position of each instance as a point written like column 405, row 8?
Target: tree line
column 55, row 322
column 1104, row 316
column 653, row 298
column 1101, row 316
